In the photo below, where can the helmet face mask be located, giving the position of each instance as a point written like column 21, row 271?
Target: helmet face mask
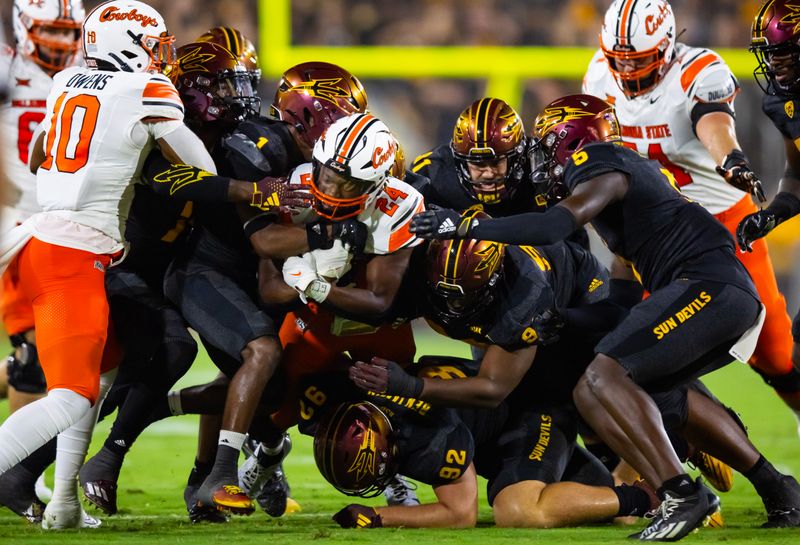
column 311, row 96
column 351, row 162
column 48, row 32
column 127, row 35
column 213, row 84
column 488, row 148
column 638, row 41
column 355, row 449
column 775, row 41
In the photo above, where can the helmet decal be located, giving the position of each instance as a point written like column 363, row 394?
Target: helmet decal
column 364, row 462
column 559, row 114
column 194, row 59
column 326, row 89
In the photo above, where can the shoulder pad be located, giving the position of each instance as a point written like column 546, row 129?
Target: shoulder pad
column 302, row 175
column 161, row 99
column 245, row 158
column 594, row 160
column 389, row 218
column 597, row 69
column 706, row 77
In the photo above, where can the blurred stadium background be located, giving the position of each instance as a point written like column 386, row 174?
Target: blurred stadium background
column 423, row 61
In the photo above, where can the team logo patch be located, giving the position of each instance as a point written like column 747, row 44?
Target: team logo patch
column 23, row 82
column 111, row 14
column 789, row 108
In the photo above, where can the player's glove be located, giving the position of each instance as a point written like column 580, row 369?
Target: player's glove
column 441, row 224
column 737, row 172
column 385, row 377
column 270, row 194
column 300, row 273
column 358, row 516
column 753, row 227
column 352, row 233
column 547, row 326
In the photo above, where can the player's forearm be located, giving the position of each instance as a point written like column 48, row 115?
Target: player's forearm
column 466, row 392
column 717, row 132
column 359, row 301
column 529, row 229
column 431, row 515
column 785, row 205
column 279, row 241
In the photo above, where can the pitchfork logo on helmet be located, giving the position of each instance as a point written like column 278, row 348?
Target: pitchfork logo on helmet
column 774, row 41
column 48, row 31
column 638, row 40
column 564, row 126
column 355, row 449
column 312, row 95
column 129, row 36
column 352, row 161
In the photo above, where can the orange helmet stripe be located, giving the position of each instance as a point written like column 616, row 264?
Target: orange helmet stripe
column 624, row 22
column 352, row 137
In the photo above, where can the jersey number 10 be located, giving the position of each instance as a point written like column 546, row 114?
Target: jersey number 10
column 71, row 150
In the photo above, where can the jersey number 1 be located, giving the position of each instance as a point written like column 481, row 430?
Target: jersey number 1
column 71, row 150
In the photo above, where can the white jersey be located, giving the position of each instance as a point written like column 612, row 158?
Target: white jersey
column 658, row 124
column 28, row 86
column 100, row 126
column 387, row 217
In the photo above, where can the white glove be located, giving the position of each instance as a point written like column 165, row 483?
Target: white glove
column 300, row 273
column 334, row 263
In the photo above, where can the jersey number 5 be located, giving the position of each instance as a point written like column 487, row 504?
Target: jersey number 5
column 71, row 140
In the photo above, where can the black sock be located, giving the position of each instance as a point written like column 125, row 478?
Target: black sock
column 764, row 477
column 225, row 465
column 681, row 485
column 633, row 501
column 41, row 458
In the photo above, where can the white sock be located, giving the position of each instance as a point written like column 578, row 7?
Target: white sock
column 231, row 439
column 174, row 402
column 36, row 423
column 73, row 444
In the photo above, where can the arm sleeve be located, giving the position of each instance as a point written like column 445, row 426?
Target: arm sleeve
column 184, row 181
column 533, row 228
column 189, row 147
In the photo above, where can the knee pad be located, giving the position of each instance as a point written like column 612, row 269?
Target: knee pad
column 25, row 372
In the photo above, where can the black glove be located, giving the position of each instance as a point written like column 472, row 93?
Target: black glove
column 353, row 233
column 753, row 227
column 269, row 194
column 385, row 377
column 738, row 173
column 317, row 234
column 441, row 223
column 358, row 516
column 547, row 326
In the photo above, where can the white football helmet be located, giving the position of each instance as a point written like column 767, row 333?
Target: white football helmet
column 48, row 31
column 638, row 40
column 127, row 35
column 352, row 160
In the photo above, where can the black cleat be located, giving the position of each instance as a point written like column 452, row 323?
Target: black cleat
column 275, row 493
column 677, row 516
column 197, row 512
column 98, row 478
column 783, row 507
column 18, row 493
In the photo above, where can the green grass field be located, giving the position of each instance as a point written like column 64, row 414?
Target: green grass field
column 151, row 487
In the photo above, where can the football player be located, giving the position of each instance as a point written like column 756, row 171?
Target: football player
column 478, row 295
column 158, row 347
column 675, row 105
column 774, row 41
column 47, row 36
column 114, row 110
column 702, row 303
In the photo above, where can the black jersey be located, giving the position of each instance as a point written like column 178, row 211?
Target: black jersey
column 784, row 113
column 261, row 147
column 654, row 226
column 534, row 280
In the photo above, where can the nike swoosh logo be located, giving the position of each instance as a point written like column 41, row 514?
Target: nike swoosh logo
column 653, row 100
column 295, row 274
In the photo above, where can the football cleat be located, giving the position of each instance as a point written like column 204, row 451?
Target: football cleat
column 783, row 508
column 274, row 495
column 229, row 498
column 260, row 466
column 292, row 506
column 17, row 494
column 400, row 492
column 677, row 516
column 101, row 494
column 66, row 515
column 717, row 473
column 197, row 512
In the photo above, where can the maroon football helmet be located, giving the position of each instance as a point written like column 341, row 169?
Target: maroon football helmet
column 355, row 449
column 562, row 128
column 462, row 274
column 488, row 131
column 213, row 84
column 312, row 95
column 774, row 41
column 238, row 44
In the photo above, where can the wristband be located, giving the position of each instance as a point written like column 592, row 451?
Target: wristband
column 318, row 290
column 784, row 206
